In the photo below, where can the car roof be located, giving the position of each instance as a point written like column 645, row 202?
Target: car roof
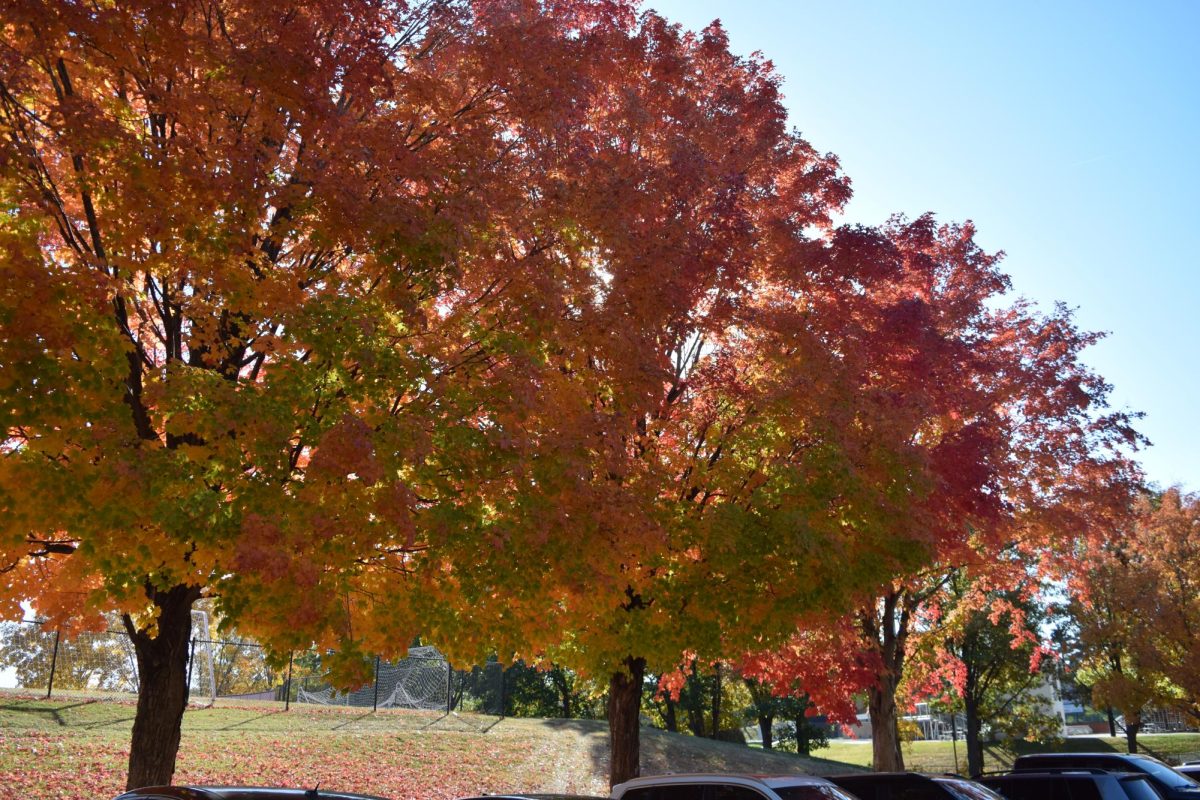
column 841, row 775
column 1081, row 755
column 1059, row 772
column 725, row 777
column 242, row 793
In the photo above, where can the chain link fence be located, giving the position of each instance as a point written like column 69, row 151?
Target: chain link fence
column 103, row 664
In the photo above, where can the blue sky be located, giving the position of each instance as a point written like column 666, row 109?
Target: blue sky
column 1068, row 131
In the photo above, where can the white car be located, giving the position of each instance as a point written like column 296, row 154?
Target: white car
column 701, row 786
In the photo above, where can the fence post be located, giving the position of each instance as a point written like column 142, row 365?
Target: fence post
column 287, row 687
column 191, row 662
column 449, row 688
column 53, row 665
column 375, row 702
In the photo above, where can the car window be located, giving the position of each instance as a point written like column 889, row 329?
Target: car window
column 1040, row 788
column 1159, row 770
column 913, row 787
column 1140, row 789
column 967, row 790
column 1083, row 789
column 864, row 787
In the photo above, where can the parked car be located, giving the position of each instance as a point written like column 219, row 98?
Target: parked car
column 1169, row 783
column 238, row 793
column 1191, row 769
column 1073, row 784
column 911, row 786
column 703, row 786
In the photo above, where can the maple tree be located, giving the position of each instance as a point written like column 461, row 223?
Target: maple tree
column 1135, row 609
column 983, row 653
column 296, row 302
column 768, row 456
column 1167, row 538
column 715, row 452
column 1020, row 452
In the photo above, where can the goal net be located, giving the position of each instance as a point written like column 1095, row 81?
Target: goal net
column 421, row 681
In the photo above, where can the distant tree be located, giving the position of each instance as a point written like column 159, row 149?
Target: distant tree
column 1167, row 538
column 550, row 691
column 99, row 661
column 1022, row 459
column 1136, row 613
column 764, row 709
column 987, row 654
column 795, row 706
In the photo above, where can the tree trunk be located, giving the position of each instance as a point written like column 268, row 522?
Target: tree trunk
column 559, row 679
column 1112, row 723
column 695, row 717
column 803, row 739
column 669, row 717
column 716, row 704
column 973, row 740
column 886, row 627
column 885, row 727
column 1133, row 724
column 624, row 706
column 162, row 687
column 766, row 724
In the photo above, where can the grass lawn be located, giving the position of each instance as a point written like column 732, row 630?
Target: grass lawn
column 76, row 748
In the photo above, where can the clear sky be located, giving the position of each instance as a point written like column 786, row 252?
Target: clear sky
column 1068, row 131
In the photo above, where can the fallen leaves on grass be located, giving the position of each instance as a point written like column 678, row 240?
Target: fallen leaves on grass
column 440, row 766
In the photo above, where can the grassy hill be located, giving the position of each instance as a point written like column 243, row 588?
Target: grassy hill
column 75, row 748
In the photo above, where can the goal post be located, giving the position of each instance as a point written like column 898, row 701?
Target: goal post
column 202, row 680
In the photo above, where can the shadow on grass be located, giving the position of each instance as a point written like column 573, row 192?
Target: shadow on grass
column 249, row 720
column 104, row 723
column 54, row 713
column 352, row 721
column 487, row 727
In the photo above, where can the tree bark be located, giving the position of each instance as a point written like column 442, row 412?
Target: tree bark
column 885, row 726
column 624, row 706
column 559, row 678
column 716, row 704
column 973, row 740
column 766, row 724
column 886, row 627
column 162, row 687
column 1133, row 724
column 669, row 716
column 695, row 720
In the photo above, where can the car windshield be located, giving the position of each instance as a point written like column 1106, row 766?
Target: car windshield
column 1164, row 773
column 811, row 792
column 966, row 790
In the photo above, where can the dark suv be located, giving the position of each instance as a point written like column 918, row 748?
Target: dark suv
column 911, row 786
column 1072, row 784
column 1169, row 783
